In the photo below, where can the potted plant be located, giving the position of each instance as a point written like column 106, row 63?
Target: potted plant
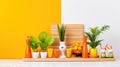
column 93, row 39
column 45, row 41
column 34, row 45
column 62, row 47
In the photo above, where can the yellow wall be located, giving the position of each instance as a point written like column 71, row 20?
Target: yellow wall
column 20, row 18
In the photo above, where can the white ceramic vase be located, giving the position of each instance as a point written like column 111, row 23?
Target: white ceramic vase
column 35, row 54
column 43, row 54
column 62, row 48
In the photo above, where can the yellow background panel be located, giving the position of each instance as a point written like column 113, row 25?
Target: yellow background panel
column 20, row 18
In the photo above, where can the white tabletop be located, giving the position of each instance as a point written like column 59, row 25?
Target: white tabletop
column 21, row 63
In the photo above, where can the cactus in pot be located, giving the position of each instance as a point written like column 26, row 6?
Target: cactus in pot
column 93, row 42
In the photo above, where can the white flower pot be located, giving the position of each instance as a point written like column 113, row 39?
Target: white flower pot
column 43, row 54
column 35, row 54
column 62, row 48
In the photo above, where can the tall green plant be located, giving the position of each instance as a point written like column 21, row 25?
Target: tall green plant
column 45, row 40
column 61, row 32
column 93, row 35
column 33, row 43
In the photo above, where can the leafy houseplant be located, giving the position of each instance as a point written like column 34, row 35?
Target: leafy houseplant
column 93, row 39
column 45, row 41
column 34, row 45
column 61, row 33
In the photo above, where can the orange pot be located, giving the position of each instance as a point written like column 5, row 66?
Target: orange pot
column 56, row 53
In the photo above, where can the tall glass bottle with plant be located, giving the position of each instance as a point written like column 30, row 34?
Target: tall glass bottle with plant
column 61, row 33
column 93, row 42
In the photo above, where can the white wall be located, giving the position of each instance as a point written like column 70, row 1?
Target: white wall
column 95, row 13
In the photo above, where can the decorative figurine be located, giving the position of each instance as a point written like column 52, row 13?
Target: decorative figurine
column 103, row 51
column 110, row 52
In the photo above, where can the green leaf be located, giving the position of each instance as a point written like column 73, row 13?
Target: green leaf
column 61, row 32
column 104, row 28
column 42, row 36
column 89, row 36
column 49, row 40
column 33, row 43
column 45, row 40
column 97, row 42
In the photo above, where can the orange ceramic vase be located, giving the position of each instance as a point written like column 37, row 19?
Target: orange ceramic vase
column 28, row 53
column 85, row 48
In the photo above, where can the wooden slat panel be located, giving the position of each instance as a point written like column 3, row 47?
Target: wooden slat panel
column 69, row 32
column 68, row 41
column 69, row 26
column 74, row 32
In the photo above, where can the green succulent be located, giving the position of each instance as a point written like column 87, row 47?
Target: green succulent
column 61, row 32
column 93, row 35
column 33, row 43
column 45, row 40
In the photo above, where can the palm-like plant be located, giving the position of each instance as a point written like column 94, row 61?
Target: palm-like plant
column 61, row 32
column 93, row 36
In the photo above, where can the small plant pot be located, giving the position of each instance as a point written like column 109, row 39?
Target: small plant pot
column 93, row 53
column 35, row 54
column 43, row 54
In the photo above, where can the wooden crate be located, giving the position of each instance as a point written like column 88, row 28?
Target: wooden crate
column 74, row 32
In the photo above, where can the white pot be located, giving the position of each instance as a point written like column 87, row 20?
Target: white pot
column 35, row 54
column 62, row 48
column 43, row 54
